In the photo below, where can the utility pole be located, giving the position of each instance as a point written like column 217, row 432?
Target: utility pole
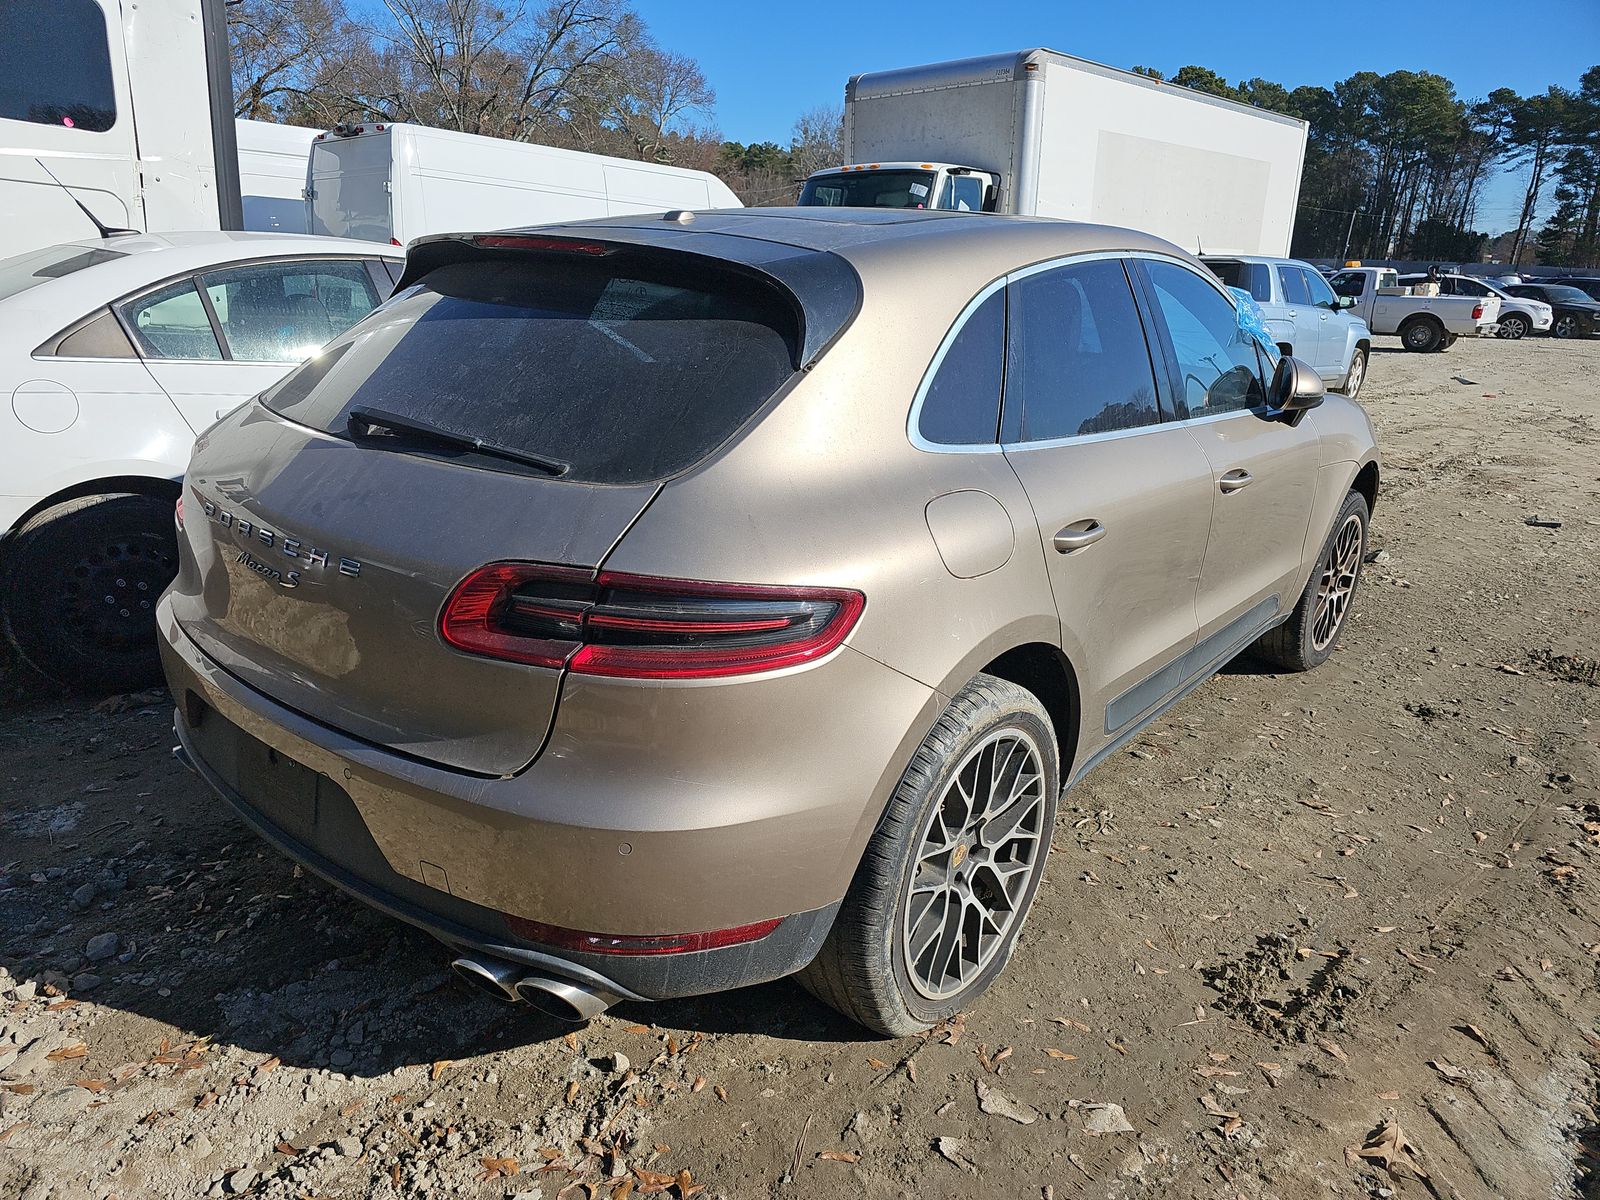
column 1350, row 233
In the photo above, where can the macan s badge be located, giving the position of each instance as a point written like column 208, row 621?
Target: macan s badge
column 294, row 547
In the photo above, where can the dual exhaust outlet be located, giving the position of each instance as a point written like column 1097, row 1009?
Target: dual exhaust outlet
column 559, row 998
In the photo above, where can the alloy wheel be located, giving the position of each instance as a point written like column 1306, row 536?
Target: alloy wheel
column 1565, row 327
column 1357, row 376
column 1338, row 581
column 1513, row 329
column 970, row 882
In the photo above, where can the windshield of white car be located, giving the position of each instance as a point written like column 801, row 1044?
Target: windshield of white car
column 870, row 189
column 37, row 266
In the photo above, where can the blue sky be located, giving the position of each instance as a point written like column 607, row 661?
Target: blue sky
column 769, row 61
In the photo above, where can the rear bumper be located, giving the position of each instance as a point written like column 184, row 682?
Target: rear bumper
column 456, row 854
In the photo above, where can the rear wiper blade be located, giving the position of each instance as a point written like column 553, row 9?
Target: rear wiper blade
column 368, row 423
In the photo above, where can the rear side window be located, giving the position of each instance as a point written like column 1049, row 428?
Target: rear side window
column 286, row 311
column 1294, row 285
column 962, row 404
column 1077, row 362
column 172, row 323
column 626, row 368
column 1254, row 278
column 55, row 65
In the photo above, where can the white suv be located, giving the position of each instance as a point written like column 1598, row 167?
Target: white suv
column 114, row 354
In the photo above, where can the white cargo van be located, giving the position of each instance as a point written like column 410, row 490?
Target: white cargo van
column 129, row 105
column 272, row 175
column 395, row 183
column 1042, row 133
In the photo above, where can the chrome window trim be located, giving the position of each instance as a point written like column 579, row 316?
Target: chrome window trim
column 914, row 420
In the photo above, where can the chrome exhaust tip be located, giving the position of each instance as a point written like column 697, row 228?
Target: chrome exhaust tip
column 494, row 978
column 561, row 998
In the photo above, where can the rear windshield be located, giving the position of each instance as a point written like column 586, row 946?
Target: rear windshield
column 29, row 270
column 1246, row 276
column 625, row 371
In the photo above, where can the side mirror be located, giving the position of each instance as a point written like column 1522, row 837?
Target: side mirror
column 1296, row 387
column 1346, row 301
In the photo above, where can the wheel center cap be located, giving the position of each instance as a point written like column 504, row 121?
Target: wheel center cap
column 960, row 855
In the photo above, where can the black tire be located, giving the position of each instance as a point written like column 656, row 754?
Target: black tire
column 1449, row 340
column 862, row 968
column 1513, row 327
column 81, row 581
column 1356, row 377
column 1567, row 325
column 1422, row 335
column 1298, row 644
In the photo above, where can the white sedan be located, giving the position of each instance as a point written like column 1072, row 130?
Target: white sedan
column 114, row 354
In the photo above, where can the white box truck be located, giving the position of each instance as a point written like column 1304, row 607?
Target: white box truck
column 129, row 105
column 273, row 160
column 395, row 183
column 1042, row 133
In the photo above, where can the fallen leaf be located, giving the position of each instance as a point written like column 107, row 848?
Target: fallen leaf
column 206, row 1100
column 17, row 1128
column 571, row 1040
column 496, row 1168
column 268, row 1064
column 636, row 1029
column 721, row 1092
column 1333, row 1048
column 1273, row 1071
column 1207, row 1072
column 1476, row 1035
column 687, row 1186
column 92, row 1085
column 996, row 1103
column 1061, row 1054
column 1001, row 1056
column 623, row 1190
column 1069, row 1023
column 653, row 1183
column 61, row 1004
column 439, row 1067
column 572, row 1091
column 1449, row 1070
column 1389, row 1146
column 1388, row 1095
column 699, row 1082
column 844, row 1156
column 75, row 1050
column 288, row 1149
column 877, row 1064
column 1209, row 1103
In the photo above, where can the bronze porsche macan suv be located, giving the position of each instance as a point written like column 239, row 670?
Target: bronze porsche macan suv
column 656, row 605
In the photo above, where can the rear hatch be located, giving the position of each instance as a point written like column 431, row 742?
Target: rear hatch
column 350, row 186
column 511, row 403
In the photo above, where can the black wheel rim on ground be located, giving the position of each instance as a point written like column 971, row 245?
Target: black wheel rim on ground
column 969, row 884
column 1338, row 581
column 107, row 599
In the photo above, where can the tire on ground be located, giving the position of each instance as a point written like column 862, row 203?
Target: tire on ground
column 861, row 969
column 1422, row 334
column 1292, row 646
column 79, row 589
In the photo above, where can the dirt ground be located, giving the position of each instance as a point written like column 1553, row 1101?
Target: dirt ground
column 1322, row 935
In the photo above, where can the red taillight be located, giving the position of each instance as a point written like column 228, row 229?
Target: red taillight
column 177, row 512
column 500, row 241
column 1477, row 312
column 643, row 627
column 394, row 241
column 619, row 943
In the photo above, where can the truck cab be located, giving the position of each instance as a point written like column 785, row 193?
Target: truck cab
column 947, row 186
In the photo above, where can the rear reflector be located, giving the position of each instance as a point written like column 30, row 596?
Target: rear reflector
column 642, row 627
column 617, row 943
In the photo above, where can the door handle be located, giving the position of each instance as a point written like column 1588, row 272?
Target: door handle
column 1079, row 535
column 1235, row 479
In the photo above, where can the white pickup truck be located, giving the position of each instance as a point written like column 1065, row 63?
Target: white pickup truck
column 1424, row 323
